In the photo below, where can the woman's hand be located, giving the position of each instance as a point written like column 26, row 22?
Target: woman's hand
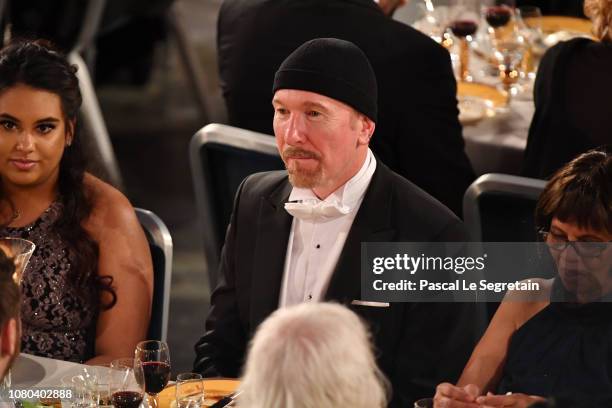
column 451, row 396
column 508, row 401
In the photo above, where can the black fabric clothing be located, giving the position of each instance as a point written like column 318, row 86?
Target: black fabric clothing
column 332, row 67
column 565, row 349
column 556, row 7
column 418, row 344
column 573, row 113
column 418, row 134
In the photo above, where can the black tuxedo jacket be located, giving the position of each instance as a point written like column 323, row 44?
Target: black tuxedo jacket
column 417, row 134
column 418, row 344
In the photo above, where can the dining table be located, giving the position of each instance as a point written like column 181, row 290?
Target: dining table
column 30, row 372
column 496, row 143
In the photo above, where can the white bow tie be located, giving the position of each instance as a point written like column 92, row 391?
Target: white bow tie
column 311, row 209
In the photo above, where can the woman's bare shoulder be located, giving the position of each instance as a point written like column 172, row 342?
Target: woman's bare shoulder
column 523, row 305
column 110, row 207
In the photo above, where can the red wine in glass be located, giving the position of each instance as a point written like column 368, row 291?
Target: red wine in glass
column 156, row 376
column 126, row 399
column 463, row 28
column 498, row 16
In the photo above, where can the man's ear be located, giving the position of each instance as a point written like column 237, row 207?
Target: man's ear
column 8, row 338
column 366, row 129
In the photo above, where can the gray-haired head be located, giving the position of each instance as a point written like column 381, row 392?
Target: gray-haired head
column 312, row 355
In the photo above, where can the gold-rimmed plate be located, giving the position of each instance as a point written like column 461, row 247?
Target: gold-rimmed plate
column 478, row 101
column 561, row 28
column 553, row 24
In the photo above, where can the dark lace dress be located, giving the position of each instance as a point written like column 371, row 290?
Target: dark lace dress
column 56, row 322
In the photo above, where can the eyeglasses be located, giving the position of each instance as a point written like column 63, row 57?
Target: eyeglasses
column 559, row 243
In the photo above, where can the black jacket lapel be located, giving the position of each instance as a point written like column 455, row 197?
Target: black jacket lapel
column 272, row 235
column 372, row 224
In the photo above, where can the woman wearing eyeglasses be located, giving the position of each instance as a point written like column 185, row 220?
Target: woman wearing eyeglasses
column 547, row 348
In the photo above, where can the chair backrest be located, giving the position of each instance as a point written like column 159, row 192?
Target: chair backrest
column 500, row 208
column 160, row 243
column 221, row 157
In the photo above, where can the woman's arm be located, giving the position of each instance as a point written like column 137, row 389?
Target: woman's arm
column 123, row 255
column 486, row 362
column 483, row 371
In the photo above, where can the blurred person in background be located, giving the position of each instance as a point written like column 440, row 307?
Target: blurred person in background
column 535, row 349
column 555, row 7
column 9, row 315
column 573, row 85
column 123, row 44
column 312, row 355
column 87, row 290
column 418, row 134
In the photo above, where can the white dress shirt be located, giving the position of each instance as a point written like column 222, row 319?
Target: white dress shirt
column 317, row 237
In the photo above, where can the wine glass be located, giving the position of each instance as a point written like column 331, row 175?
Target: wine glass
column 498, row 14
column 189, row 390
column 126, row 383
column 433, row 21
column 509, row 54
column 464, row 24
column 154, row 357
column 20, row 250
column 424, row 403
column 530, row 24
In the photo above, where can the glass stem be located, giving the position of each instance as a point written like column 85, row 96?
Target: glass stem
column 152, row 401
column 464, row 58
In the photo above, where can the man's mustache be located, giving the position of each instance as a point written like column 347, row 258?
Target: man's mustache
column 298, row 153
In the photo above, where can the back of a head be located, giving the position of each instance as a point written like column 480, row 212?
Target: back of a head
column 580, row 192
column 312, row 355
column 600, row 13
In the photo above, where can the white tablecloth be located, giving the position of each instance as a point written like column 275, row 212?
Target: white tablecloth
column 496, row 145
column 33, row 371
column 493, row 145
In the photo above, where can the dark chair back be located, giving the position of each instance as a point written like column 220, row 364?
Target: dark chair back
column 160, row 243
column 501, row 208
column 221, row 158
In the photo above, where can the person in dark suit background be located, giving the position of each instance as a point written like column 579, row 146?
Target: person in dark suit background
column 571, row 96
column 418, row 134
column 555, row 7
column 296, row 236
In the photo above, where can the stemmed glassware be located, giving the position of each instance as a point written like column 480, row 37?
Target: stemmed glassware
column 529, row 20
column 498, row 14
column 189, row 390
column 464, row 24
column 20, row 250
column 509, row 54
column 154, row 358
column 126, row 383
column 433, row 21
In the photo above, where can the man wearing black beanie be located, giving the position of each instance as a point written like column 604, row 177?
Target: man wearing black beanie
column 295, row 236
column 418, row 134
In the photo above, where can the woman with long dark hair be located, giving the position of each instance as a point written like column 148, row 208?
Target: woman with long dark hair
column 86, row 293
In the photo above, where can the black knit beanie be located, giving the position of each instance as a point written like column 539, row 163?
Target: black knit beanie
column 335, row 68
